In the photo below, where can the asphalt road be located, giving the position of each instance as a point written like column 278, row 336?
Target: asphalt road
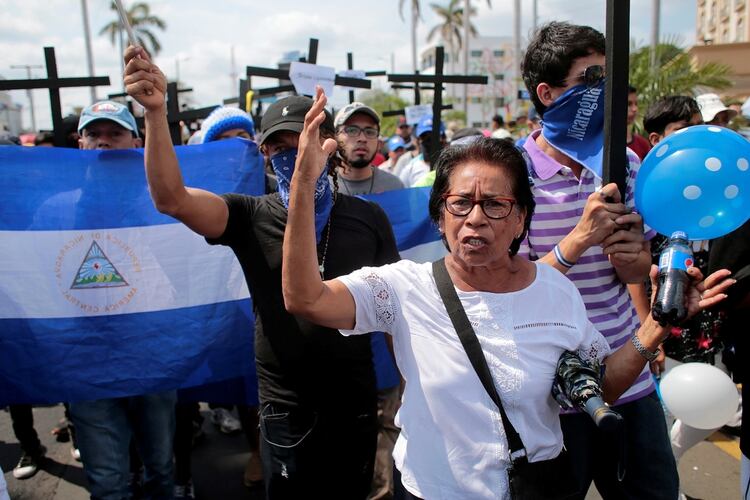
column 709, row 471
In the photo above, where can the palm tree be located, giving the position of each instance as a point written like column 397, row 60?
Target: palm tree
column 415, row 16
column 449, row 29
column 142, row 22
column 677, row 74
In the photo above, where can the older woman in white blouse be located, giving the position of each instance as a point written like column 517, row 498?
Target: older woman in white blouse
column 525, row 315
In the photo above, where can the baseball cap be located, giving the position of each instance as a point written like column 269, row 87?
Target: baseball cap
column 402, row 122
column 355, row 107
column 425, row 125
column 288, row 114
column 711, row 106
column 395, row 142
column 108, row 110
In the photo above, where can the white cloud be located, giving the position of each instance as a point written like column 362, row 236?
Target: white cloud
column 201, row 34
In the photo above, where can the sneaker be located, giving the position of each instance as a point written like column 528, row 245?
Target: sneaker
column 28, row 465
column 225, row 421
column 184, row 491
column 75, row 453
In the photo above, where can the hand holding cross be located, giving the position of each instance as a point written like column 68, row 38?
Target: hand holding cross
column 144, row 81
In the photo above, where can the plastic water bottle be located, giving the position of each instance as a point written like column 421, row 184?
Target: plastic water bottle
column 673, row 281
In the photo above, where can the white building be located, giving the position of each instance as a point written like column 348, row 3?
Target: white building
column 10, row 114
column 488, row 55
column 722, row 21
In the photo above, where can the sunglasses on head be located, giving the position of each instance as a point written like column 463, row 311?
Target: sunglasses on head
column 592, row 75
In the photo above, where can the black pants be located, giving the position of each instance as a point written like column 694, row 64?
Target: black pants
column 645, row 458
column 23, row 427
column 310, row 455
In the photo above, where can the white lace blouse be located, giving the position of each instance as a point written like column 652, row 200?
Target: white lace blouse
column 452, row 444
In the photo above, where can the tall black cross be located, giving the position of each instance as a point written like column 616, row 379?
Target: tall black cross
column 54, row 84
column 350, row 66
column 437, row 80
column 283, row 74
column 175, row 115
column 417, row 97
column 616, row 93
column 174, row 124
column 243, row 102
column 241, row 99
column 415, row 87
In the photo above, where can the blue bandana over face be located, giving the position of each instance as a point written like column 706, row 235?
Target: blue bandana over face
column 574, row 124
column 283, row 166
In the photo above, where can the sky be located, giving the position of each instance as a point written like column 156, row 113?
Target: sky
column 200, row 35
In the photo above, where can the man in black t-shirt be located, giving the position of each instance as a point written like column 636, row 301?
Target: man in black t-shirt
column 316, row 387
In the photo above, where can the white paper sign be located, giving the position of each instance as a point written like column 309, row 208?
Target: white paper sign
column 415, row 113
column 306, row 76
column 352, row 73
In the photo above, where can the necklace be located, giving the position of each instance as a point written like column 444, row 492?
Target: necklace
column 322, row 266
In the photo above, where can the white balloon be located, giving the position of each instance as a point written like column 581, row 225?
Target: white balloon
column 700, row 395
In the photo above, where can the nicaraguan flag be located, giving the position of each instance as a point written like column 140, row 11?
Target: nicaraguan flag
column 102, row 296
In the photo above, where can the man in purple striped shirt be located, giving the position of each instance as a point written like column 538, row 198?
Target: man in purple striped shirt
column 586, row 231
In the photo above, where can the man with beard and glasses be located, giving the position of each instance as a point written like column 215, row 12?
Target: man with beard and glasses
column 585, row 230
column 357, row 129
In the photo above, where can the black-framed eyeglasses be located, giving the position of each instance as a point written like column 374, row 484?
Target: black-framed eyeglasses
column 354, row 131
column 494, row 208
column 592, row 75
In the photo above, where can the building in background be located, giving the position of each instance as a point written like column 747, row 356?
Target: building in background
column 722, row 35
column 488, row 55
column 722, row 22
column 10, row 114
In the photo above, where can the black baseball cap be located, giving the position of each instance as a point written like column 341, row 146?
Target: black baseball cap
column 289, row 114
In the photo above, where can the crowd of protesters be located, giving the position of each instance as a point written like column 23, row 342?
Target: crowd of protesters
column 330, row 420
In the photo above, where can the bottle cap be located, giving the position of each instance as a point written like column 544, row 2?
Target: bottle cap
column 679, row 235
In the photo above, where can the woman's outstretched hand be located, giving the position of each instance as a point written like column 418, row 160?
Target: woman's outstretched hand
column 312, row 155
column 702, row 293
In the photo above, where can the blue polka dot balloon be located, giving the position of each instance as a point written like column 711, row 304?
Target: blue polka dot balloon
column 696, row 181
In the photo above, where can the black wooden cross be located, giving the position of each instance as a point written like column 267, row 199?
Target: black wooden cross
column 283, row 74
column 245, row 104
column 175, row 115
column 437, row 80
column 241, row 99
column 54, row 84
column 617, row 48
column 416, row 88
column 174, row 124
column 350, row 66
column 417, row 97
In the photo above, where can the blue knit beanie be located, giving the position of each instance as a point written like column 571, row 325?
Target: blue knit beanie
column 225, row 118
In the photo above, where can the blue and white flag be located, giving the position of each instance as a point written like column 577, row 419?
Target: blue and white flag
column 102, row 296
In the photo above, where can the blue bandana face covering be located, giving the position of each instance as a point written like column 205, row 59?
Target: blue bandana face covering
column 283, row 166
column 574, row 124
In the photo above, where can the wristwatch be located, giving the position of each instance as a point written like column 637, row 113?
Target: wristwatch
column 650, row 356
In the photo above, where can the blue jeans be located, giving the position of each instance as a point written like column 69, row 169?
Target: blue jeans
column 104, row 430
column 645, row 456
